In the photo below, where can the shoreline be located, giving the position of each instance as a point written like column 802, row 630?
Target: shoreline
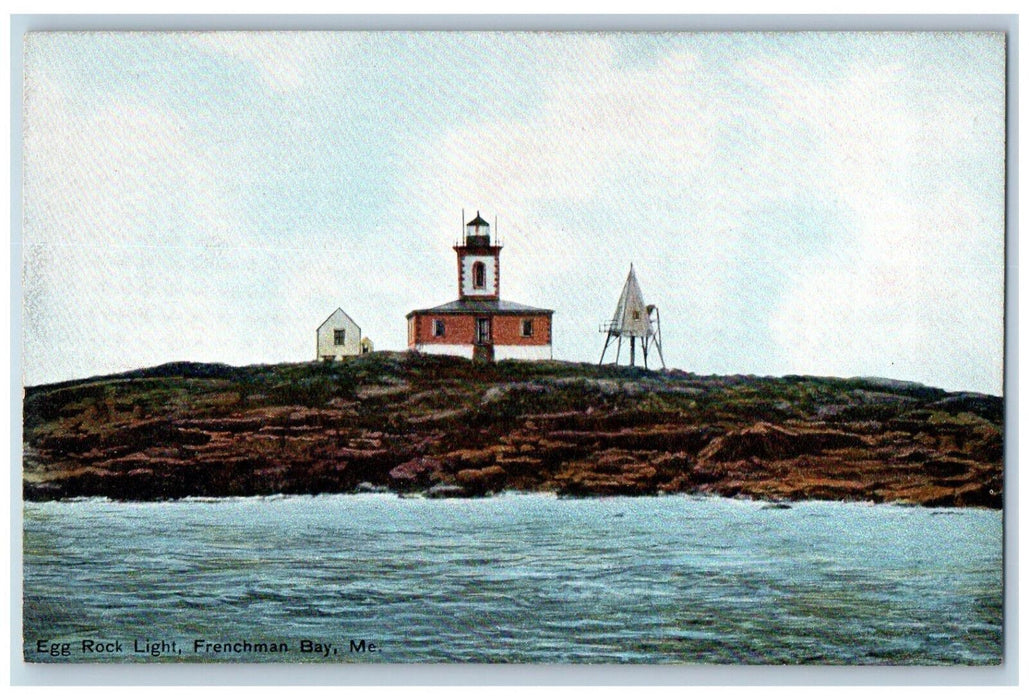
column 765, row 503
column 446, row 427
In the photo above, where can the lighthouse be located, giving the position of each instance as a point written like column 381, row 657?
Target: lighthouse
column 479, row 324
column 478, row 262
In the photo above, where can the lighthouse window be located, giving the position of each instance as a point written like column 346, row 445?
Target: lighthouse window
column 527, row 328
column 339, row 337
column 439, row 329
column 478, row 275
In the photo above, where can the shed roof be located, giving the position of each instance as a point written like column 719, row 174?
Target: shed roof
column 334, row 314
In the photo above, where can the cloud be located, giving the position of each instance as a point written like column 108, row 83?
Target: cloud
column 789, row 211
column 919, row 290
column 120, row 203
column 793, row 203
column 286, row 62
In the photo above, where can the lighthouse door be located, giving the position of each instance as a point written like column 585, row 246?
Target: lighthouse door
column 483, row 349
column 482, row 332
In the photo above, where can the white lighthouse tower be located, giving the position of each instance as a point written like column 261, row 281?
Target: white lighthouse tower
column 478, row 262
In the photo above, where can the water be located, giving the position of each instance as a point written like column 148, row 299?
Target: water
column 517, row 578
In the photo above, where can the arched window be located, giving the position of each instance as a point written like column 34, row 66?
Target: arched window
column 478, row 275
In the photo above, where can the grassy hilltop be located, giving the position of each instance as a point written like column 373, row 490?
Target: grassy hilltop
column 450, row 427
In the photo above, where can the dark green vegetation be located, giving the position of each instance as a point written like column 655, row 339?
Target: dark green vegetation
column 447, row 426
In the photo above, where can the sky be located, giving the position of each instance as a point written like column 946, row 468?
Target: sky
column 828, row 204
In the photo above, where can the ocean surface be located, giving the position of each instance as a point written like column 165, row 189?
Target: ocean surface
column 516, row 578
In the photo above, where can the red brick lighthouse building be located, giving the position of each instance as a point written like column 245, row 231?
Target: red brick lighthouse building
column 479, row 324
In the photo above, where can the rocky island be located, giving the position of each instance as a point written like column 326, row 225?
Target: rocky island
column 444, row 426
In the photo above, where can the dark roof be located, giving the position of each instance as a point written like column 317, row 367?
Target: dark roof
column 480, row 306
column 478, row 221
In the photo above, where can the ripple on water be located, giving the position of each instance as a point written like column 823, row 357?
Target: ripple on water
column 528, row 578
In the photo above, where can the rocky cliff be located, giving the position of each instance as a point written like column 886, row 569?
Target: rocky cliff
column 445, row 426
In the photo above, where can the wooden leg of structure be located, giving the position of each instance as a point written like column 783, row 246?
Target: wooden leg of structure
column 607, row 341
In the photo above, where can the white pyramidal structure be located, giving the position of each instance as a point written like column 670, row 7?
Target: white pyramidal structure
column 633, row 319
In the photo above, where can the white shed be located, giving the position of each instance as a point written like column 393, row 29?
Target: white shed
column 338, row 337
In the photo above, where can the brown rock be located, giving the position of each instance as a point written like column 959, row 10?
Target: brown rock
column 480, row 482
column 416, row 473
column 767, row 441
